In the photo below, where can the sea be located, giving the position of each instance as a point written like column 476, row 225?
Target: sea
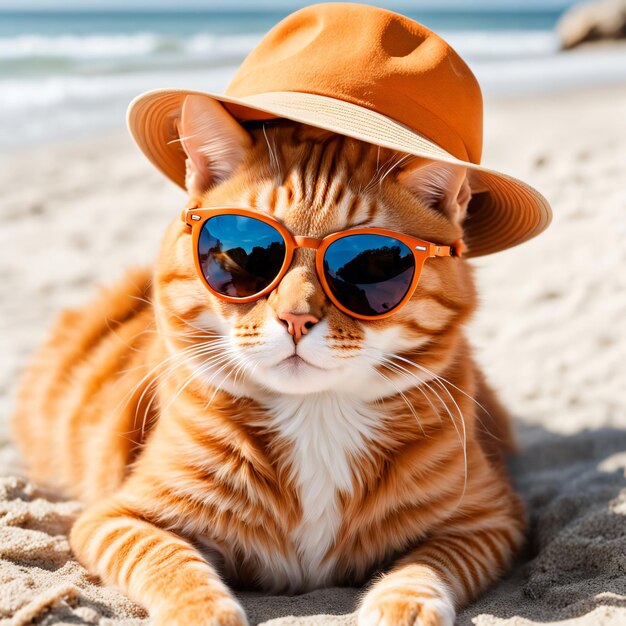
column 69, row 73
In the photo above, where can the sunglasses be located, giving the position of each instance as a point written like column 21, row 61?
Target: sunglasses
column 368, row 273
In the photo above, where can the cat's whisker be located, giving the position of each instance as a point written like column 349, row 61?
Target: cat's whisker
column 189, row 357
column 217, row 387
column 201, row 369
column 234, row 374
column 205, row 333
column 240, row 368
column 372, row 182
column 405, row 399
column 140, row 299
column 410, row 376
column 469, row 397
column 378, row 177
column 462, row 439
column 419, row 385
column 382, row 359
column 143, row 365
column 228, row 362
column 165, row 308
column 126, row 399
column 273, row 156
column 153, row 377
column 462, row 436
column 126, row 341
column 392, row 167
column 171, row 368
column 191, row 325
column 431, row 373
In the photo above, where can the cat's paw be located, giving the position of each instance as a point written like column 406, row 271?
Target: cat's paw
column 225, row 611
column 395, row 608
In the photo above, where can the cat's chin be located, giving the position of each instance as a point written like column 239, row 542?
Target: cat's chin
column 295, row 375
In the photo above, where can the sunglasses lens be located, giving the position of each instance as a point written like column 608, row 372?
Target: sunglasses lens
column 369, row 274
column 240, row 256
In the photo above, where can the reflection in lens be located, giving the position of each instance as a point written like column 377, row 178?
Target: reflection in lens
column 369, row 274
column 239, row 256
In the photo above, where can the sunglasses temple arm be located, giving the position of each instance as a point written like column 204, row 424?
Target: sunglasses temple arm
column 188, row 217
column 456, row 249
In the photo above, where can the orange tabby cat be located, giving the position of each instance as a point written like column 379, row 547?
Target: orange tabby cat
column 207, row 455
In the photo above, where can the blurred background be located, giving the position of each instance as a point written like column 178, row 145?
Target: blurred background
column 69, row 67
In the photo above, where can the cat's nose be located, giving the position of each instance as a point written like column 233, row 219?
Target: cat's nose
column 297, row 324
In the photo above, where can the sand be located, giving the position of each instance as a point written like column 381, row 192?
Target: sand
column 550, row 333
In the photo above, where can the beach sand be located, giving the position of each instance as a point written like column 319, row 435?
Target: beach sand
column 550, row 333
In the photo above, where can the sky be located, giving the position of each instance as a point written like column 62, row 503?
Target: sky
column 282, row 4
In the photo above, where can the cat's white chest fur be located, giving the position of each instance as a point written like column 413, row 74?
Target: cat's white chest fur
column 327, row 434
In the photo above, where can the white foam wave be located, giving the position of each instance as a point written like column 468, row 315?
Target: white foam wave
column 497, row 45
column 39, row 109
column 73, row 46
column 103, row 46
column 59, row 103
column 18, row 95
column 470, row 44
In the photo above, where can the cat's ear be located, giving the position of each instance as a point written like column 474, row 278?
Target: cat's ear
column 213, row 141
column 440, row 186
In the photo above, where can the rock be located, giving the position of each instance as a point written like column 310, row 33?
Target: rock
column 592, row 21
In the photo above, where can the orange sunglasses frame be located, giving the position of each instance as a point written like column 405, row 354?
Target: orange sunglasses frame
column 422, row 250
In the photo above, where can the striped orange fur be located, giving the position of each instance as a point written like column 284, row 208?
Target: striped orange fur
column 205, row 461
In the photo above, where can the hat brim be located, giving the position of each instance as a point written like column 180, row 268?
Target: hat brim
column 505, row 213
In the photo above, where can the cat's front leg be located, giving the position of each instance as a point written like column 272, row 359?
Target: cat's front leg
column 426, row 587
column 154, row 567
column 407, row 596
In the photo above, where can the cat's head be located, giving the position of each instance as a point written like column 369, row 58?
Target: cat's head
column 316, row 183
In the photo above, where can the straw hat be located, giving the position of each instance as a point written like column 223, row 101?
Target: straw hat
column 370, row 74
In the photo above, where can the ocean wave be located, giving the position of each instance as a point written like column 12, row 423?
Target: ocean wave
column 499, row 45
column 112, row 46
column 33, row 109
column 89, row 46
column 473, row 44
column 36, row 109
column 40, row 94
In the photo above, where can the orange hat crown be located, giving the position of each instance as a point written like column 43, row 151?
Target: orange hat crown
column 376, row 59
